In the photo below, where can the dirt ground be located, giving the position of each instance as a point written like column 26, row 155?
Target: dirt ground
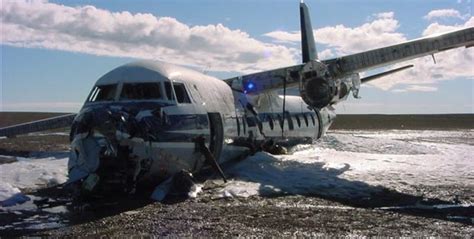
column 205, row 216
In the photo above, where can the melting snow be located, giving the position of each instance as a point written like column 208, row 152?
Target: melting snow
column 29, row 174
column 351, row 164
column 344, row 164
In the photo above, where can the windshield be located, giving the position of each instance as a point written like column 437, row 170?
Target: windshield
column 181, row 94
column 103, row 93
column 141, row 91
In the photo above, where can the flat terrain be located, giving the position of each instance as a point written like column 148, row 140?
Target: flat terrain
column 316, row 197
column 418, row 122
column 404, row 122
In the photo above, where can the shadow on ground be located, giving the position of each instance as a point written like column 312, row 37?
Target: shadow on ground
column 280, row 178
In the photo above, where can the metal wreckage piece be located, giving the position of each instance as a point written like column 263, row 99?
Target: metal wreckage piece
column 111, row 151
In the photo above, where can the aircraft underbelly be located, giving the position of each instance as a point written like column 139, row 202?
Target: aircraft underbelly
column 171, row 158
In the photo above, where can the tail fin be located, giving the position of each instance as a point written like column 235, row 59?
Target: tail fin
column 307, row 40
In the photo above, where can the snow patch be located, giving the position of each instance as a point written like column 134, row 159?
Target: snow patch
column 29, row 174
column 355, row 164
column 10, row 196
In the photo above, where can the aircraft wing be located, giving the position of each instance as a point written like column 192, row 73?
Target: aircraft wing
column 401, row 52
column 40, row 125
column 355, row 63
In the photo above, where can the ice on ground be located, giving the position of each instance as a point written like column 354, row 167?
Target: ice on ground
column 49, row 134
column 10, row 196
column 29, row 174
column 354, row 164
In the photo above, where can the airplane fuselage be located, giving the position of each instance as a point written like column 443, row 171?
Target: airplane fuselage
column 142, row 120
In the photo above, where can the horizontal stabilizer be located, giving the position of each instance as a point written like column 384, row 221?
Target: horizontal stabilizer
column 40, row 125
column 376, row 76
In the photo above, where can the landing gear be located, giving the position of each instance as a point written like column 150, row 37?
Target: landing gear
column 210, row 159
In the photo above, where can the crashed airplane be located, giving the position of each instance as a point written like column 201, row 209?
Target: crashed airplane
column 146, row 122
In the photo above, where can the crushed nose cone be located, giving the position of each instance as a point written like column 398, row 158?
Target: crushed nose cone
column 84, row 157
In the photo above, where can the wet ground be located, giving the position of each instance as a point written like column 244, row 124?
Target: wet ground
column 402, row 206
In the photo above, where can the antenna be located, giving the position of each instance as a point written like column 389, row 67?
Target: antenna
column 206, row 69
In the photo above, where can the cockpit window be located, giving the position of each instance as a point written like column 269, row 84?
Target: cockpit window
column 103, row 93
column 169, row 91
column 140, row 91
column 181, row 94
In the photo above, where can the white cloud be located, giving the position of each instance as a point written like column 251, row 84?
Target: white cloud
column 385, row 15
column 420, row 88
column 326, row 54
column 453, row 64
column 443, row 13
column 436, row 28
column 285, row 37
column 345, row 40
column 86, row 29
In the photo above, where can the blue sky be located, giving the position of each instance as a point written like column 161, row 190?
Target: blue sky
column 48, row 65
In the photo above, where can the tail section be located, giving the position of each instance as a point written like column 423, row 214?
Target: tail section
column 307, row 39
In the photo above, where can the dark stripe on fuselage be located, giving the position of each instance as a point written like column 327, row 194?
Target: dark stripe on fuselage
column 310, row 119
column 158, row 126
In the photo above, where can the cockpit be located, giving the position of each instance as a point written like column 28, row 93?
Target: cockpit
column 170, row 92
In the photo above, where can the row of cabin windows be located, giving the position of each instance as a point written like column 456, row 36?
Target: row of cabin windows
column 307, row 118
column 141, row 91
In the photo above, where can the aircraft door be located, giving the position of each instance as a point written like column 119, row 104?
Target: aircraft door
column 217, row 134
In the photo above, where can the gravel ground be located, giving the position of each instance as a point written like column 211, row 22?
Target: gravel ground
column 264, row 217
column 284, row 216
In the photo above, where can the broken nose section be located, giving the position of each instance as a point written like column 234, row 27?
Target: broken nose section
column 101, row 157
column 83, row 158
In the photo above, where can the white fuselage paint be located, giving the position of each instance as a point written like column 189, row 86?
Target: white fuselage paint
column 208, row 95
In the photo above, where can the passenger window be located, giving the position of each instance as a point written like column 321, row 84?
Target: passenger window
column 298, row 120
column 281, row 120
column 312, row 119
column 290, row 121
column 103, row 93
column 169, row 92
column 305, row 119
column 238, row 125
column 140, row 91
column 270, row 121
column 181, row 94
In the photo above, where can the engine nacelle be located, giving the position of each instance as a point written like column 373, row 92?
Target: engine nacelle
column 318, row 89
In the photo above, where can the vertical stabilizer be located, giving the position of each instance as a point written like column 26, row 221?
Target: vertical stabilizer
column 308, row 46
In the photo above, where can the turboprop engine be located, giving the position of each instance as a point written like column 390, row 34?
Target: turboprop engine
column 319, row 89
